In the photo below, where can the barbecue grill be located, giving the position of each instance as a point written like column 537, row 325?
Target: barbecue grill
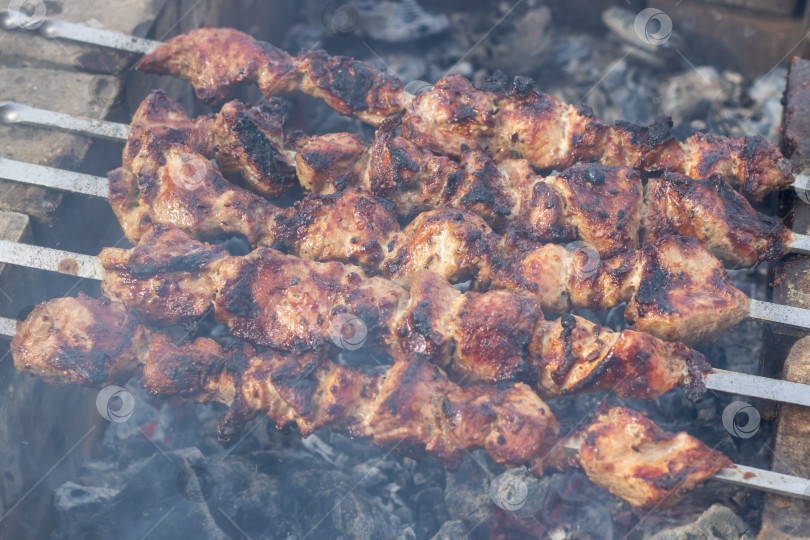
column 195, row 483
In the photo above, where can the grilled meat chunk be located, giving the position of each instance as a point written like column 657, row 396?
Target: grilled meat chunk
column 214, row 60
column 170, row 276
column 247, row 142
column 80, row 341
column 715, row 214
column 684, row 293
column 627, row 454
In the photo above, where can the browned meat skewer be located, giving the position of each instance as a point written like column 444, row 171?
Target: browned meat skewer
column 507, row 120
column 171, row 185
column 280, row 301
column 601, row 205
column 606, row 207
column 410, row 406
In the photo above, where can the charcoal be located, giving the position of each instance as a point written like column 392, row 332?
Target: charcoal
column 717, row 523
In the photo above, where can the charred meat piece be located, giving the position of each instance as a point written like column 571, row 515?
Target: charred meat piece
column 715, row 214
column 80, row 341
column 214, row 60
column 280, row 301
column 627, row 454
column 247, row 142
column 684, row 293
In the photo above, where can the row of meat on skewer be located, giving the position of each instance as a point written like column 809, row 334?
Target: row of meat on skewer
column 470, row 368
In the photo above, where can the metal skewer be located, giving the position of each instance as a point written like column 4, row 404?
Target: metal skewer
column 88, row 266
column 59, row 29
column 742, row 475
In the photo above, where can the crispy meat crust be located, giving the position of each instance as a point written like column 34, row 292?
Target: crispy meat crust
column 719, row 217
column 683, row 293
column 633, row 458
column 247, row 142
column 80, row 341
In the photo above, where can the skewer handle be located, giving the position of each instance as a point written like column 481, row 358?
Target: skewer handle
column 799, row 243
column 758, row 387
column 16, row 113
column 59, row 29
column 772, row 482
column 28, row 173
column 776, row 313
column 52, row 260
